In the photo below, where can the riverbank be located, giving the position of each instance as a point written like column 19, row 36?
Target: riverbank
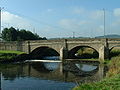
column 110, row 82
column 9, row 55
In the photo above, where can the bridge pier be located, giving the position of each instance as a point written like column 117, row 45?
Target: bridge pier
column 103, row 53
column 63, row 53
column 29, row 47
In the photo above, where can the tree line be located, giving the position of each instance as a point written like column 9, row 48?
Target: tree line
column 12, row 34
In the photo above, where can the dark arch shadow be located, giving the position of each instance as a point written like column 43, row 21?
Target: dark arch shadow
column 114, row 53
column 41, row 52
column 72, row 53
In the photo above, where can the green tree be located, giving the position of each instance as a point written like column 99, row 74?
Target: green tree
column 11, row 34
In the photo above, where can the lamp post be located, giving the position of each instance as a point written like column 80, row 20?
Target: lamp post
column 104, row 20
column 0, row 20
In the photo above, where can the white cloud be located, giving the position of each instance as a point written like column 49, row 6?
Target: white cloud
column 73, row 24
column 14, row 20
column 116, row 23
column 84, row 22
column 100, row 28
column 97, row 14
column 117, row 12
column 78, row 10
column 80, row 27
column 48, row 29
column 67, row 23
column 116, row 15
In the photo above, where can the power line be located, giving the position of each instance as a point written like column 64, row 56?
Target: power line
column 37, row 21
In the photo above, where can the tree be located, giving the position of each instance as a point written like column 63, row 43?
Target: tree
column 11, row 34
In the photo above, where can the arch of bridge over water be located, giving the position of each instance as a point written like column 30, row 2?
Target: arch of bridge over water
column 63, row 46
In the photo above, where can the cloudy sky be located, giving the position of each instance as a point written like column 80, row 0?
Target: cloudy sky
column 60, row 18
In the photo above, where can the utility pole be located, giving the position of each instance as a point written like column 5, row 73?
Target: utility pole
column 0, row 20
column 104, row 20
column 73, row 34
column 34, row 30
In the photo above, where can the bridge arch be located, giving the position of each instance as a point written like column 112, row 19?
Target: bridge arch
column 114, row 51
column 43, row 51
column 110, row 48
column 72, row 53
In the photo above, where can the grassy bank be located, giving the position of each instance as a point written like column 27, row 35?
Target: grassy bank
column 110, row 82
column 8, row 55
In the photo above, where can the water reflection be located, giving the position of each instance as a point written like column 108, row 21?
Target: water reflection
column 51, row 72
column 85, row 67
column 51, row 58
column 79, row 69
column 51, row 66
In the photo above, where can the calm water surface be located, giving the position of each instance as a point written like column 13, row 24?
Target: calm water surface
column 48, row 76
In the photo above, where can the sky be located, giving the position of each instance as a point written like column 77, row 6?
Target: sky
column 62, row 18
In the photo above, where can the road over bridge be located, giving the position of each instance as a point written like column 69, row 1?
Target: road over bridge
column 65, row 48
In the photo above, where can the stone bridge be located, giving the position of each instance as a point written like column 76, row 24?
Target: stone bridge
column 64, row 47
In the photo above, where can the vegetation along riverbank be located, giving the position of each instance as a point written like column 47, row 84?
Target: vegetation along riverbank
column 112, row 79
column 8, row 55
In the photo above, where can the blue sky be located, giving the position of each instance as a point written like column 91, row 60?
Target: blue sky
column 60, row 18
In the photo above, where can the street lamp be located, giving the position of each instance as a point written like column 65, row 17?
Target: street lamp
column 0, row 20
column 104, row 20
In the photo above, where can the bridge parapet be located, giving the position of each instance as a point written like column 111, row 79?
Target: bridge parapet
column 16, row 46
column 113, row 43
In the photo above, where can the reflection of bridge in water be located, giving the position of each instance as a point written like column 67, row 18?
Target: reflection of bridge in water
column 69, row 72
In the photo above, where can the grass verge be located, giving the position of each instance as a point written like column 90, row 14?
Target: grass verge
column 8, row 55
column 112, row 83
column 16, row 52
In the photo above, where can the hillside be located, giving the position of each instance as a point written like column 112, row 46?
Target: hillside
column 109, row 36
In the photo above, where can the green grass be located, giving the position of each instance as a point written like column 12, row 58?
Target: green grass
column 8, row 55
column 112, row 83
column 16, row 52
column 114, row 66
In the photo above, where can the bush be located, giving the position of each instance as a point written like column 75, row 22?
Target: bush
column 114, row 66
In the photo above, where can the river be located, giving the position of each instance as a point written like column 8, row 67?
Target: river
column 48, row 76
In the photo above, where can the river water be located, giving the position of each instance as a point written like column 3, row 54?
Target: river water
column 48, row 76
